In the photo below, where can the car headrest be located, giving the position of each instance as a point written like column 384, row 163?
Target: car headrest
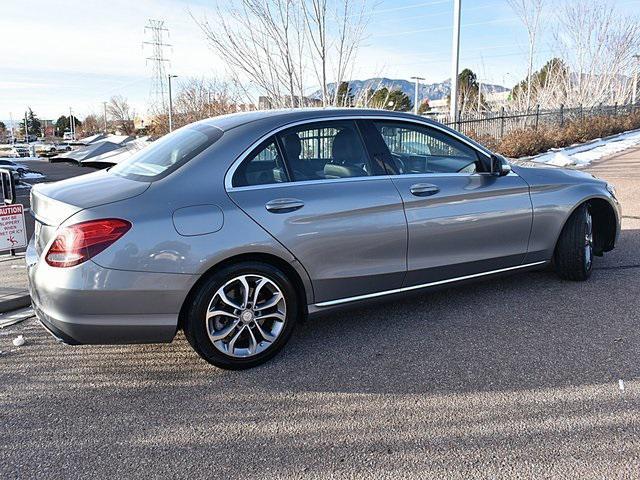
column 292, row 145
column 347, row 148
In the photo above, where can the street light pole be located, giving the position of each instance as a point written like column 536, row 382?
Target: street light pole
column 415, row 98
column 170, row 103
column 635, row 80
column 455, row 61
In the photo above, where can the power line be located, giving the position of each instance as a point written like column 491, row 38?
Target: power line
column 435, row 14
column 405, row 7
column 444, row 28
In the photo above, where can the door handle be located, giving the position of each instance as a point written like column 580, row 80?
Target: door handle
column 284, row 205
column 424, row 189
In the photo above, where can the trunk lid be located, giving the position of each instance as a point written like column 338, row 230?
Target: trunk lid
column 53, row 203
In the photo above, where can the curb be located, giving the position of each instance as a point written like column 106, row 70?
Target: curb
column 14, row 302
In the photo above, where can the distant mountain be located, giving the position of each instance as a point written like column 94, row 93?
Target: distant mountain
column 432, row 91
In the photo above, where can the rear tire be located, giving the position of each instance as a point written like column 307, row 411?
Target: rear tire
column 573, row 257
column 259, row 328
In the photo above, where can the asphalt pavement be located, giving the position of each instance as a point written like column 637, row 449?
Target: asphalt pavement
column 526, row 376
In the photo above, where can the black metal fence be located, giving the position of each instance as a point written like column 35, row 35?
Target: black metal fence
column 498, row 124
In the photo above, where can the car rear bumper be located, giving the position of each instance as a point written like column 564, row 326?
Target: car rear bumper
column 89, row 304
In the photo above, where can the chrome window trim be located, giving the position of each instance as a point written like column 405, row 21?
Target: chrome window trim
column 228, row 178
column 339, row 301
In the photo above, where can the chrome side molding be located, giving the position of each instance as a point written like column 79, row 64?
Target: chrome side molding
column 424, row 285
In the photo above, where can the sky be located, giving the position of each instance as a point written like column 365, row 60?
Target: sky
column 76, row 54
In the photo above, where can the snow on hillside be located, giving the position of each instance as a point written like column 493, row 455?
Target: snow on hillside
column 432, row 91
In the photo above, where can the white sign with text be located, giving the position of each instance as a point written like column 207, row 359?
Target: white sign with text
column 13, row 233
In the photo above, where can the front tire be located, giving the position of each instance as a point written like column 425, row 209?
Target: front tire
column 242, row 315
column 573, row 257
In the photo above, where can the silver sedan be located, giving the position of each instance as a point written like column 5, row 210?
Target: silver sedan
column 236, row 228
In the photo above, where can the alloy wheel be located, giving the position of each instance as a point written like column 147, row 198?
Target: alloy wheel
column 246, row 315
column 588, row 241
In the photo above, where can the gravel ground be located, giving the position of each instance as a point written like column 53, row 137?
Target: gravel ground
column 514, row 377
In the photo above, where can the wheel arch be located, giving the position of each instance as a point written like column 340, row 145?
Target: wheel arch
column 302, row 290
column 605, row 223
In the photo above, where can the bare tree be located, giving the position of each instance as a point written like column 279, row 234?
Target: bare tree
column 351, row 22
column 267, row 45
column 196, row 99
column 257, row 42
column 90, row 125
column 597, row 45
column 199, row 98
column 315, row 12
column 529, row 12
column 121, row 114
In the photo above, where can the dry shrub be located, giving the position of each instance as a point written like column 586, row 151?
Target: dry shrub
column 487, row 140
column 527, row 142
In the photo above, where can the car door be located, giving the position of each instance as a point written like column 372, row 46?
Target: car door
column 315, row 190
column 462, row 220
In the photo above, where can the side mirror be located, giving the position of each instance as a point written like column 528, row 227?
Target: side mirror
column 499, row 166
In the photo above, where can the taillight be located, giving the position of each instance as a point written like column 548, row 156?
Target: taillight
column 78, row 243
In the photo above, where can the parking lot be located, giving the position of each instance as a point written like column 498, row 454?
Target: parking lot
column 518, row 376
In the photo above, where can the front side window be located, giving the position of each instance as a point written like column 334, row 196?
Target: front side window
column 168, row 153
column 417, row 149
column 262, row 167
column 326, row 150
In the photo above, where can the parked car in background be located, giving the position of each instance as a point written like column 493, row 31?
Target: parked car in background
column 22, row 150
column 19, row 168
column 62, row 147
column 237, row 227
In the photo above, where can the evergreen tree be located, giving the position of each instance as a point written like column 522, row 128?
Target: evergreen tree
column 62, row 125
column 468, row 91
column 344, row 95
column 33, row 124
column 391, row 100
column 553, row 69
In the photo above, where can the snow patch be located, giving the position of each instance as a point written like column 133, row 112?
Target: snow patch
column 31, row 176
column 583, row 155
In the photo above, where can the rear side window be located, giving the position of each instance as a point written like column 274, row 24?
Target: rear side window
column 168, row 153
column 262, row 167
column 419, row 149
column 326, row 150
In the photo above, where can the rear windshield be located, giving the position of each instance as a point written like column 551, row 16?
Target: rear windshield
column 168, row 153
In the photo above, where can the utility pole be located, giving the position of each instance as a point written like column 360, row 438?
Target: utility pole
column 455, row 62
column 209, row 99
column 13, row 133
column 635, row 80
column 415, row 98
column 26, row 128
column 72, row 124
column 104, row 104
column 479, row 95
column 170, row 103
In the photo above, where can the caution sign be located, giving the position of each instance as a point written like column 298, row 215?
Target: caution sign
column 13, row 233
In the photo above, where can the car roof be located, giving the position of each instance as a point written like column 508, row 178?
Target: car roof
column 283, row 116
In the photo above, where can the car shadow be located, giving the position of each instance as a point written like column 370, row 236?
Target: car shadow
column 524, row 331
